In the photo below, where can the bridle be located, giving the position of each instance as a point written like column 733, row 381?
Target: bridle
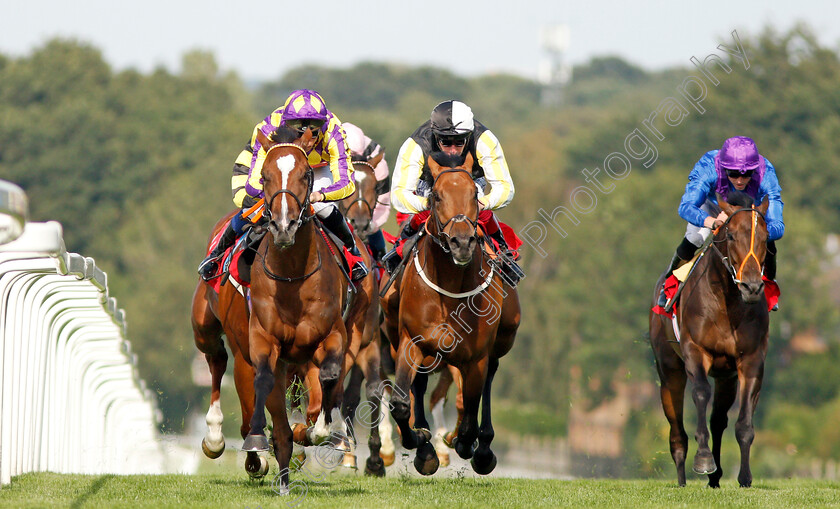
column 442, row 238
column 301, row 220
column 737, row 274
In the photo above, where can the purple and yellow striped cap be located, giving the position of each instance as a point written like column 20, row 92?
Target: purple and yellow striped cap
column 305, row 103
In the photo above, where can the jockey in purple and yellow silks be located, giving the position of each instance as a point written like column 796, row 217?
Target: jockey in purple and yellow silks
column 737, row 166
column 304, row 109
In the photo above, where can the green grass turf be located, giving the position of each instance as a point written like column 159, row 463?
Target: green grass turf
column 349, row 490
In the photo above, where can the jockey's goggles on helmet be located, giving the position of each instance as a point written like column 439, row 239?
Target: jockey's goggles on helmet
column 302, row 124
column 449, row 141
column 739, row 174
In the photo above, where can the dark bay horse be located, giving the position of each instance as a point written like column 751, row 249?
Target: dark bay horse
column 451, row 307
column 723, row 326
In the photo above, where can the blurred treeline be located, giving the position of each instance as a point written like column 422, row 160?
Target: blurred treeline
column 137, row 166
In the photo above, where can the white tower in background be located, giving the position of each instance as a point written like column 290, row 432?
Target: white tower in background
column 554, row 72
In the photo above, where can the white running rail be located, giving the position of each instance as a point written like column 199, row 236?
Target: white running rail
column 70, row 397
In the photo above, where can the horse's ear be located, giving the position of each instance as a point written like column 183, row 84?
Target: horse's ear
column 307, row 135
column 729, row 209
column 765, row 204
column 264, row 141
column 468, row 161
column 434, row 167
column 374, row 161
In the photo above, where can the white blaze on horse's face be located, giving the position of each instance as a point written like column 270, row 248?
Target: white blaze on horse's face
column 360, row 176
column 285, row 164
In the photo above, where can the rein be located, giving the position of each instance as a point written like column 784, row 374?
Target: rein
column 737, row 274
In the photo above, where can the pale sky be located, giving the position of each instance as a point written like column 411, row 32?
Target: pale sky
column 469, row 37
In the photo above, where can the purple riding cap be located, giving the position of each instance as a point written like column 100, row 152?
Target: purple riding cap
column 739, row 153
column 305, row 104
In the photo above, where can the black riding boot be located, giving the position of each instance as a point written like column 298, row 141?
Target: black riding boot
column 392, row 259
column 338, row 226
column 770, row 265
column 685, row 252
column 513, row 273
column 210, row 265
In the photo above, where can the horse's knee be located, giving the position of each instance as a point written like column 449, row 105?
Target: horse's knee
column 744, row 433
column 329, row 373
column 400, row 409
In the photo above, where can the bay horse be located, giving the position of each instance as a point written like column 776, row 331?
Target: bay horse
column 451, row 308
column 723, row 326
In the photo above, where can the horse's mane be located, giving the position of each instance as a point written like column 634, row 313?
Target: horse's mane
column 740, row 199
column 284, row 134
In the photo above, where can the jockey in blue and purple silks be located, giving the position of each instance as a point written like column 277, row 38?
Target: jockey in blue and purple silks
column 304, row 109
column 736, row 166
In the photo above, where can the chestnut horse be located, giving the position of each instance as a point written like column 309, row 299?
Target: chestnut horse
column 723, row 326
column 452, row 308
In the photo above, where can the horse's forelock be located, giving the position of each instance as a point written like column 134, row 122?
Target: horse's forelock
column 448, row 160
column 740, row 199
column 284, row 134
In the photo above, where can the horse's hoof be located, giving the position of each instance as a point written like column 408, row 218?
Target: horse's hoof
column 209, row 452
column 258, row 470
column 375, row 467
column 704, row 463
column 255, row 443
column 464, row 451
column 388, row 458
column 482, row 463
column 349, row 461
column 426, row 460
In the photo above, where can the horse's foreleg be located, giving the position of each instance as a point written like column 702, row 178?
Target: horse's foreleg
column 436, row 402
column 370, row 414
column 281, row 434
column 261, row 358
column 474, row 377
column 750, row 388
column 409, row 360
column 329, row 358
column 725, row 389
column 484, row 461
column 704, row 462
column 449, row 438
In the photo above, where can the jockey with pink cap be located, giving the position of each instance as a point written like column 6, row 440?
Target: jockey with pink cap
column 363, row 148
column 737, row 166
column 304, row 109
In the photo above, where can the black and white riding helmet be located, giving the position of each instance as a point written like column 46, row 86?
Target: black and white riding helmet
column 452, row 119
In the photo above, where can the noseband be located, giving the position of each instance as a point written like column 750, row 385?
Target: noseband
column 738, row 274
column 442, row 238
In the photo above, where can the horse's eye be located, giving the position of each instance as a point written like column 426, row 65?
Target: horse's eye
column 729, row 236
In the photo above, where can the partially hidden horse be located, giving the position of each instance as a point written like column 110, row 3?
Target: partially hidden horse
column 213, row 314
column 451, row 307
column 723, row 329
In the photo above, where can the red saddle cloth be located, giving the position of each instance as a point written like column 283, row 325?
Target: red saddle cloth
column 771, row 292
column 230, row 258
